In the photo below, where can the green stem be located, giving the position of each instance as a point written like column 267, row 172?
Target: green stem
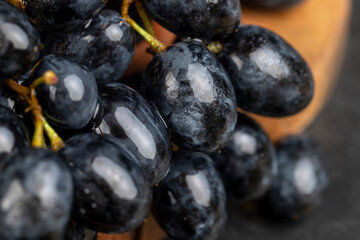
column 56, row 142
column 28, row 96
column 144, row 18
column 38, row 140
column 215, row 47
column 157, row 46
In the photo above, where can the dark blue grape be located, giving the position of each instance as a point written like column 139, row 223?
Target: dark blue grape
column 111, row 193
column 194, row 95
column 269, row 76
column 126, row 115
column 270, row 4
column 36, row 194
column 70, row 103
column 208, row 20
column 247, row 163
column 12, row 133
column 19, row 42
column 105, row 45
column 301, row 179
column 190, row 201
column 61, row 15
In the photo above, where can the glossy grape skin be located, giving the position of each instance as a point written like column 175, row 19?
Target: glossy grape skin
column 70, row 103
column 61, row 15
column 270, row 4
column 202, row 19
column 105, row 46
column 13, row 135
column 301, row 180
column 194, row 95
column 111, row 193
column 248, row 162
column 19, row 42
column 270, row 78
column 36, row 194
column 126, row 115
column 190, row 201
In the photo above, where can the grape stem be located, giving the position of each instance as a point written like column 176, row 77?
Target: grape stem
column 216, row 47
column 17, row 3
column 38, row 140
column 157, row 46
column 28, row 96
column 144, row 18
column 22, row 91
column 49, row 78
column 56, row 142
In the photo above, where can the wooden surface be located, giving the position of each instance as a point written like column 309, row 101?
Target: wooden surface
column 318, row 30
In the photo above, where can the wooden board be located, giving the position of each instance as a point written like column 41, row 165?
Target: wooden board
column 318, row 30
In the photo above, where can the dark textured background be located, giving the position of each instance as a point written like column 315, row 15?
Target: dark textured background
column 337, row 129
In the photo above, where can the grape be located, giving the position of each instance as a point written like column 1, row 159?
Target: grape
column 61, row 15
column 270, row 4
column 194, row 95
column 70, row 103
column 118, row 147
column 270, row 78
column 12, row 133
column 248, row 163
column 111, row 193
column 19, row 42
column 126, row 115
column 190, row 201
column 36, row 195
column 105, row 45
column 301, row 179
column 208, row 20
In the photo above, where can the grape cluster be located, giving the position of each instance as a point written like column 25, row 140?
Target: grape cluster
column 179, row 143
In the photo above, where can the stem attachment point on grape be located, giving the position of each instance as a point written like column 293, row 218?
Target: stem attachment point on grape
column 28, row 96
column 216, row 47
column 56, row 142
column 49, row 78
